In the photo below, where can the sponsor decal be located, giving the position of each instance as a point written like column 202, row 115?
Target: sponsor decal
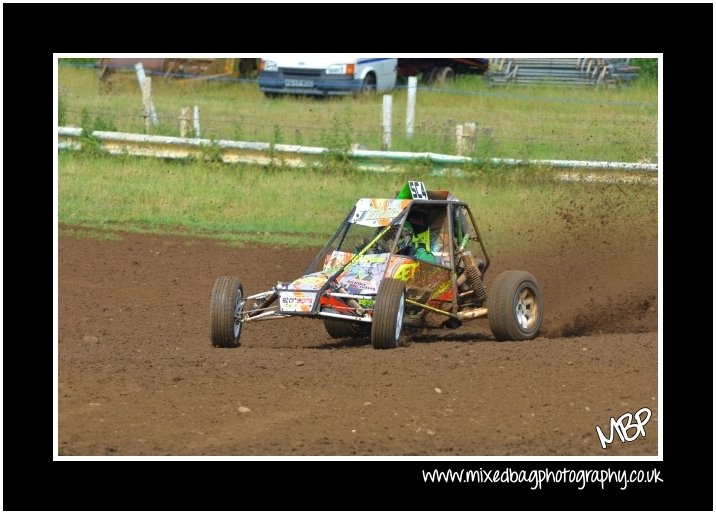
column 377, row 212
column 296, row 301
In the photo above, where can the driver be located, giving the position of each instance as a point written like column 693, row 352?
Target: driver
column 412, row 243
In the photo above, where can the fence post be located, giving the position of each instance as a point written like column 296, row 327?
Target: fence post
column 458, row 140
column 387, row 121
column 147, row 102
column 145, row 85
column 465, row 136
column 469, row 136
column 184, row 118
column 410, row 112
column 196, row 121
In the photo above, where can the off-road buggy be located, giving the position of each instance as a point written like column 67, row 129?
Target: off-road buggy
column 369, row 280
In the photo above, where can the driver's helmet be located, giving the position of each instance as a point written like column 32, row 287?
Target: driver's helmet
column 419, row 220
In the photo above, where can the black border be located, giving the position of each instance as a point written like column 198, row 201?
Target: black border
column 32, row 481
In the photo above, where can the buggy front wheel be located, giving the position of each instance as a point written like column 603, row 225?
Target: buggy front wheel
column 388, row 314
column 227, row 307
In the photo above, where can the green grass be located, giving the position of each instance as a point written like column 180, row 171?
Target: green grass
column 102, row 235
column 521, row 209
column 612, row 124
column 524, row 209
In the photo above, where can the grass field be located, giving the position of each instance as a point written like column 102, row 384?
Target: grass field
column 608, row 124
column 518, row 208
column 243, row 204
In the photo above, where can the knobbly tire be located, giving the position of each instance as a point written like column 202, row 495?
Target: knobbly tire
column 339, row 329
column 227, row 304
column 388, row 314
column 514, row 306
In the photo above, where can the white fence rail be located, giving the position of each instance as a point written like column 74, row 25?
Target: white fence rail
column 307, row 156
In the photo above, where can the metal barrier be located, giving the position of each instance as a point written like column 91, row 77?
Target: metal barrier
column 120, row 143
column 560, row 71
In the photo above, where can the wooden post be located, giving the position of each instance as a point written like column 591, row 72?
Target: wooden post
column 139, row 68
column 458, row 140
column 147, row 103
column 145, row 84
column 184, row 118
column 469, row 137
column 196, row 121
column 465, row 136
column 387, row 121
column 410, row 112
column 145, row 107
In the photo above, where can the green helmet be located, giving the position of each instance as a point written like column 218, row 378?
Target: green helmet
column 408, row 228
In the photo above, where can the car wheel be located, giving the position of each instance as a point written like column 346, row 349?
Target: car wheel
column 430, row 76
column 444, row 75
column 227, row 306
column 339, row 329
column 369, row 86
column 514, row 306
column 388, row 314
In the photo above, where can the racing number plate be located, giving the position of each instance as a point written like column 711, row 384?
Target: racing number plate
column 417, row 189
column 298, row 83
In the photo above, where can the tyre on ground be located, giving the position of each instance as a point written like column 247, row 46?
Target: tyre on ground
column 442, row 75
column 514, row 306
column 227, row 305
column 388, row 314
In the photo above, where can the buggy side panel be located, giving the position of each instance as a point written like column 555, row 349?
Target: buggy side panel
column 363, row 276
column 424, row 281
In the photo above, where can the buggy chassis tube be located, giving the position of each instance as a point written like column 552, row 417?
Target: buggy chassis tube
column 428, row 308
column 275, row 315
column 353, row 296
column 264, row 316
column 324, row 314
column 473, row 314
column 266, row 313
column 465, row 315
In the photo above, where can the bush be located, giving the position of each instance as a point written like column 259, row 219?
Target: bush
column 648, row 69
column 91, row 145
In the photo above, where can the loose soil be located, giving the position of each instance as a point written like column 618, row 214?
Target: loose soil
column 139, row 376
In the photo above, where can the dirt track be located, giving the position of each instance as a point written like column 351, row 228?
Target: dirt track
column 138, row 375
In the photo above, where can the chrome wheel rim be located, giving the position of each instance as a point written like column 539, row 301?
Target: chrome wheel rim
column 526, row 309
column 399, row 317
column 238, row 311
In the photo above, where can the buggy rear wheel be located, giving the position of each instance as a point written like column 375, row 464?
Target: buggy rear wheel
column 514, row 306
column 227, row 306
column 388, row 314
column 339, row 329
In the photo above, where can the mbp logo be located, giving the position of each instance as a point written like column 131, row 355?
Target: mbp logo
column 623, row 425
